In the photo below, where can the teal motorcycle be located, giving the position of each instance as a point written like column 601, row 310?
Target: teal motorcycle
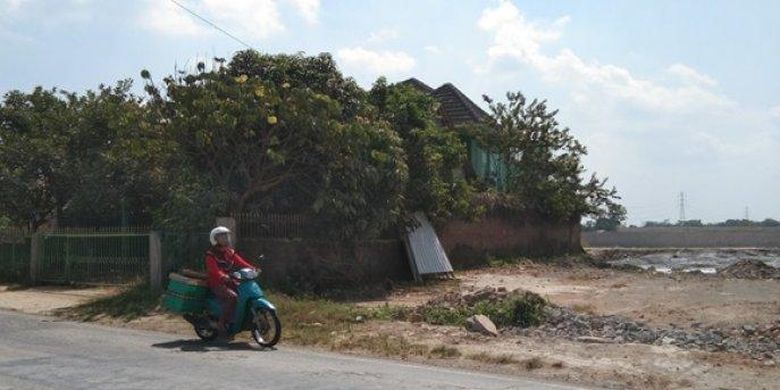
column 202, row 309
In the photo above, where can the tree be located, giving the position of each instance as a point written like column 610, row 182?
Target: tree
column 117, row 158
column 435, row 155
column 84, row 159
column 261, row 140
column 318, row 73
column 543, row 162
column 35, row 174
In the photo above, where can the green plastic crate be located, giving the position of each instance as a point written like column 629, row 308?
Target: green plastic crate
column 188, row 290
column 181, row 304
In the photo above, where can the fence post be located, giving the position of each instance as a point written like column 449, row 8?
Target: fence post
column 36, row 251
column 155, row 261
column 230, row 223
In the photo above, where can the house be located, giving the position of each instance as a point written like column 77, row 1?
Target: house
column 456, row 109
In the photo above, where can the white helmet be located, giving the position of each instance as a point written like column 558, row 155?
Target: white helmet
column 217, row 231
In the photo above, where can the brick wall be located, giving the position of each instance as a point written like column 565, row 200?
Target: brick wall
column 471, row 243
column 312, row 265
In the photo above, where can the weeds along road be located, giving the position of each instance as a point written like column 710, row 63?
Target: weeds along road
column 46, row 353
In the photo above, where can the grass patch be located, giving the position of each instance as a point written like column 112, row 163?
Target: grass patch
column 506, row 261
column 313, row 321
column 493, row 359
column 382, row 344
column 444, row 352
column 389, row 313
column 533, row 363
column 130, row 303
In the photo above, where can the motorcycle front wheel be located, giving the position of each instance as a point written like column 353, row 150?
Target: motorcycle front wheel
column 266, row 327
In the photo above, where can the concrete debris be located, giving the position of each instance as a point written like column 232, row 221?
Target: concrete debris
column 482, row 324
column 594, row 340
column 758, row 342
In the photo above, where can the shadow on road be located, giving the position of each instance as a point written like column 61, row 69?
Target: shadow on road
column 195, row 345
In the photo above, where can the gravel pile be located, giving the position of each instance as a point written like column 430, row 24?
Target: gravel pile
column 759, row 342
column 750, row 269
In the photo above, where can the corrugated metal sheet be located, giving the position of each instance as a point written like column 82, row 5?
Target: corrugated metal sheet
column 426, row 255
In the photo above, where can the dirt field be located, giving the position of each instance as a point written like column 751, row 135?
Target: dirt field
column 678, row 300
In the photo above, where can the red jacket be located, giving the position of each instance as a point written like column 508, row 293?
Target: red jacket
column 219, row 262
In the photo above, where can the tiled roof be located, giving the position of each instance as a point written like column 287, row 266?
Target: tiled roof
column 413, row 82
column 454, row 107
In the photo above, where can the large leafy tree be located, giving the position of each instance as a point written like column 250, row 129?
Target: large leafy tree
column 435, row 155
column 258, row 140
column 545, row 174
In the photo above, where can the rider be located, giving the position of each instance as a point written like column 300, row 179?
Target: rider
column 221, row 260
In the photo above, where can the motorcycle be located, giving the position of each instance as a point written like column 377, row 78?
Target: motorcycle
column 253, row 312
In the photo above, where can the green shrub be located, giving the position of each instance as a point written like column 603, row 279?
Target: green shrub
column 524, row 310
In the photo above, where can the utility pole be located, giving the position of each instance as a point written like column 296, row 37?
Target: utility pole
column 747, row 213
column 682, row 207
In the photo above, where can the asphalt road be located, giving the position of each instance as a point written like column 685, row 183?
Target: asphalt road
column 45, row 353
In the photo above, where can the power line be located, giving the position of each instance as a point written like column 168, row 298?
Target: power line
column 212, row 24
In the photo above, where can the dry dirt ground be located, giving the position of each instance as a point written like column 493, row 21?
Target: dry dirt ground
column 657, row 299
column 654, row 298
column 47, row 299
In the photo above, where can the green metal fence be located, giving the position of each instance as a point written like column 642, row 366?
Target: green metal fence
column 14, row 256
column 94, row 258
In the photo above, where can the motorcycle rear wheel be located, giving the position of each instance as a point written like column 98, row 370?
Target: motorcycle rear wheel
column 266, row 327
column 206, row 333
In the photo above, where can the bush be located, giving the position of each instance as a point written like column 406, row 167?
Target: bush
column 523, row 310
column 528, row 309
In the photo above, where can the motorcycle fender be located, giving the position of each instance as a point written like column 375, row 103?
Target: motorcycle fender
column 263, row 304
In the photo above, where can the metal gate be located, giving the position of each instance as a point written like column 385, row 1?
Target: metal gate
column 14, row 255
column 94, row 258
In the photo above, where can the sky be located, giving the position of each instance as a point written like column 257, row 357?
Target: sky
column 668, row 96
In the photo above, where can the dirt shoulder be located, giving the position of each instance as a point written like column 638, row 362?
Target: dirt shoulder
column 47, row 299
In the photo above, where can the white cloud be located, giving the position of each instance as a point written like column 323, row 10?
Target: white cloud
column 167, row 18
column 309, row 9
column 774, row 112
column 517, row 38
column 433, row 49
column 689, row 75
column 376, row 62
column 251, row 20
column 8, row 6
column 385, row 34
column 256, row 18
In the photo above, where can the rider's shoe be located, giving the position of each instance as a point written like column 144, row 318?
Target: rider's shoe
column 225, row 334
